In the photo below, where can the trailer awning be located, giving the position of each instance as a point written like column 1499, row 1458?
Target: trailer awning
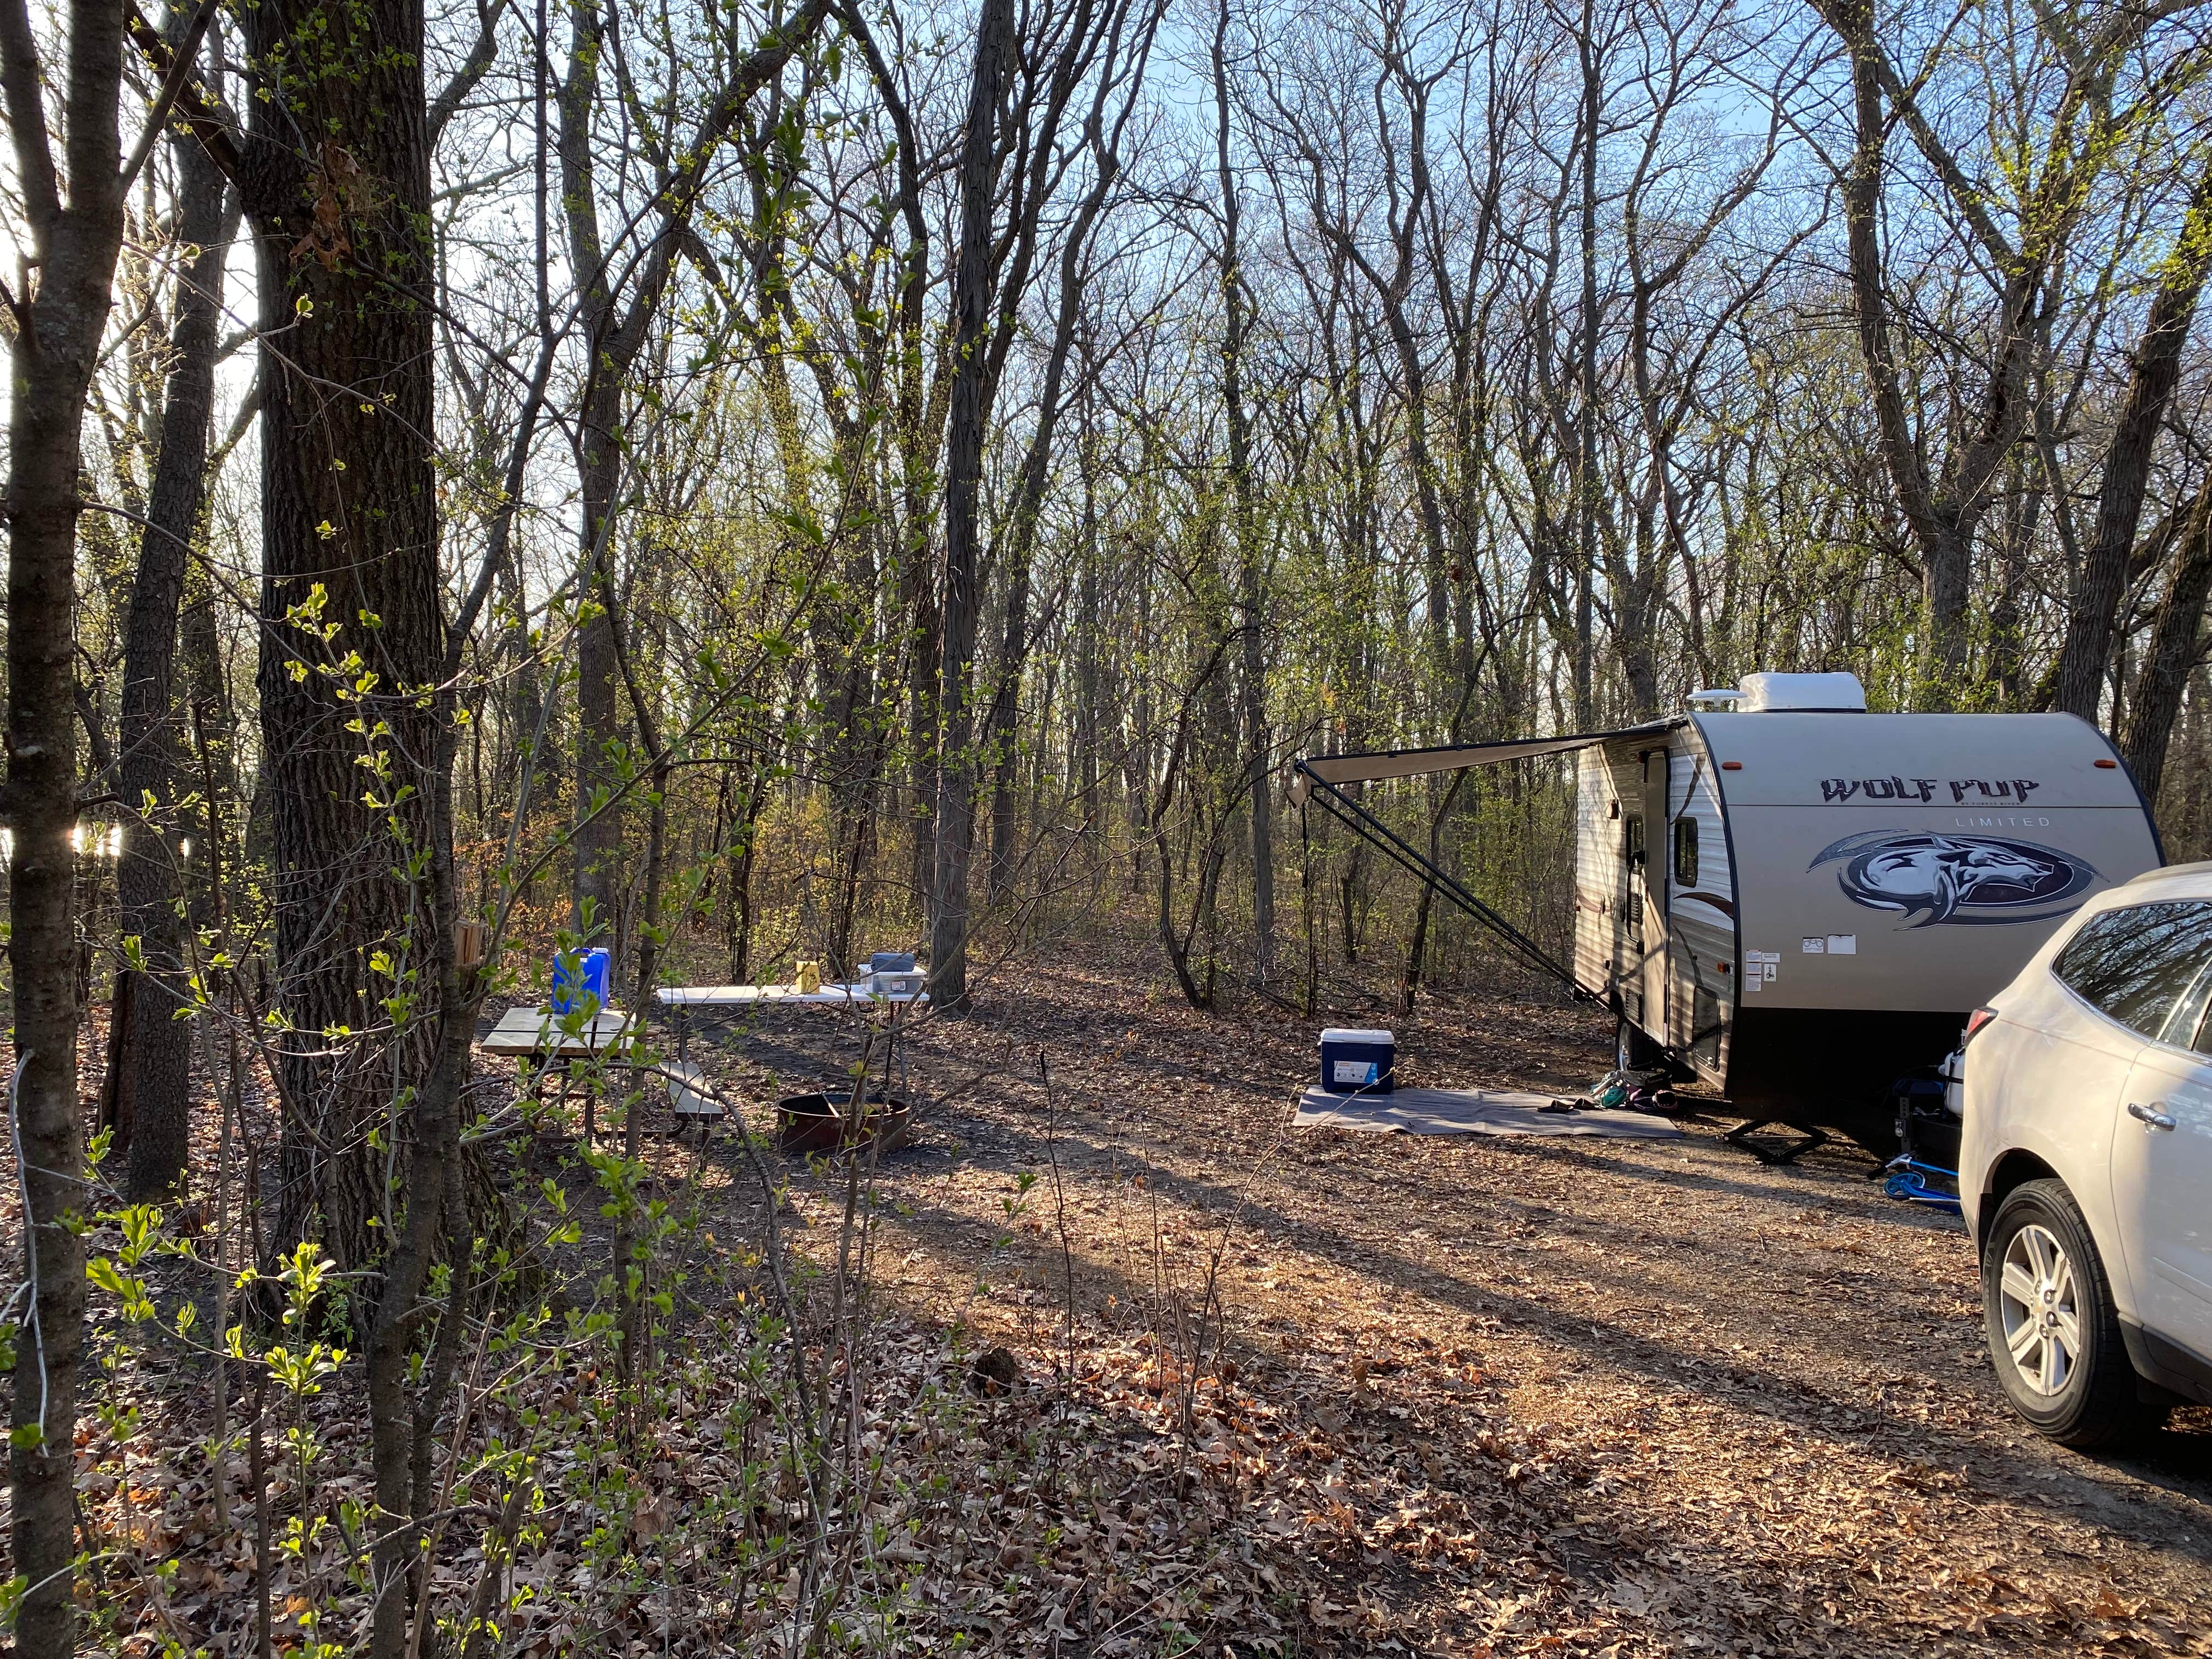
column 1307, row 770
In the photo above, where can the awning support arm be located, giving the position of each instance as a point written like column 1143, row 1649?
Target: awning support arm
column 1388, row 842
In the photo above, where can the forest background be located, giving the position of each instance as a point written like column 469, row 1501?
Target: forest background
column 735, row 485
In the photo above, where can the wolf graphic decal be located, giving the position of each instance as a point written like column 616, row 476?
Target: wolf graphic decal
column 1957, row 878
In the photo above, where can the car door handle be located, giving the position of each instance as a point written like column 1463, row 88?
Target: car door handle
column 2150, row 1114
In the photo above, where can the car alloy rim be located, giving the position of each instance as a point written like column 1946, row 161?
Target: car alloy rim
column 2042, row 1319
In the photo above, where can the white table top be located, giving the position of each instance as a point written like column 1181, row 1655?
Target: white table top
column 527, row 1030
column 854, row 995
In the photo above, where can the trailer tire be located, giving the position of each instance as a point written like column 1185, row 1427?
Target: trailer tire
column 2052, row 1325
column 1633, row 1050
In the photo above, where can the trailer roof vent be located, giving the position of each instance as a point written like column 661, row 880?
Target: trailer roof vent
column 1827, row 693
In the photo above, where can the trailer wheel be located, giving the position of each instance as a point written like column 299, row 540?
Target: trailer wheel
column 2054, row 1332
column 1634, row 1051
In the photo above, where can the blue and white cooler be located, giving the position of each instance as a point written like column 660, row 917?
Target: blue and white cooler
column 1355, row 1062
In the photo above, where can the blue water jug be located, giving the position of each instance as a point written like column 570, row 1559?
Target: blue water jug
column 590, row 981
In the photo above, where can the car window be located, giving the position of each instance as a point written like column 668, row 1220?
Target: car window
column 2142, row 965
column 2184, row 1025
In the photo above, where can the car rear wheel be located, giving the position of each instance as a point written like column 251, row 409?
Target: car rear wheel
column 2054, row 1333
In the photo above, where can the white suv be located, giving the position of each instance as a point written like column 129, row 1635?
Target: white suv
column 2085, row 1169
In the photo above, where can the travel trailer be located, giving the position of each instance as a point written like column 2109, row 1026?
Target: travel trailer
column 1795, row 900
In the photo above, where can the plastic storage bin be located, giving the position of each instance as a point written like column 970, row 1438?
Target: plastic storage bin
column 1355, row 1062
column 590, row 980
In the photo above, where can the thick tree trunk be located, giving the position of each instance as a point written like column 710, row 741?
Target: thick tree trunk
column 350, row 601
column 358, row 717
column 970, row 409
column 56, row 328
column 149, row 1096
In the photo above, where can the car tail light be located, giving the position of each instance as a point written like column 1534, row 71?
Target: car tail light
column 1975, row 1021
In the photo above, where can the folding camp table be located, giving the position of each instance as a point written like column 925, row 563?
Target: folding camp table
column 532, row 1033
column 682, row 1001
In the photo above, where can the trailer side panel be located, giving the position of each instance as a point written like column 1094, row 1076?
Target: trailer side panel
column 1601, row 877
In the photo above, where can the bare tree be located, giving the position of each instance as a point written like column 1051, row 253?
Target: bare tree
column 75, row 214
column 146, row 1099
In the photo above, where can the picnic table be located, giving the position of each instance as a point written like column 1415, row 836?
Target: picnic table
column 857, row 996
column 525, row 1032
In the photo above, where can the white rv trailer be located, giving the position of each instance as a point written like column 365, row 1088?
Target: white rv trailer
column 1798, row 900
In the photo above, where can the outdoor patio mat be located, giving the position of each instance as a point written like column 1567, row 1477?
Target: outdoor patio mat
column 1470, row 1112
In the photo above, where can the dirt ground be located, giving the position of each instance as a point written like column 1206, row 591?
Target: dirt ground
column 1324, row 1392
column 1512, row 1395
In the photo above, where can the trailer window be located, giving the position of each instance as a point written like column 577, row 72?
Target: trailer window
column 2137, row 966
column 1631, row 839
column 1685, row 852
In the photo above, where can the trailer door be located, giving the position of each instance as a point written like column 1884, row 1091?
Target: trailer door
column 1654, row 874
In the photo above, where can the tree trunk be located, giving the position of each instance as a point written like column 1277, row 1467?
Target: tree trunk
column 1587, row 486
column 1014, row 643
column 615, row 335
column 613, row 346
column 1251, row 574
column 970, row 408
column 351, row 600
column 147, row 1096
column 55, row 345
column 2174, row 654
column 1944, row 512
column 2079, row 676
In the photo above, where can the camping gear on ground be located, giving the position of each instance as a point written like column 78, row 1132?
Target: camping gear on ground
column 1636, row 1089
column 807, row 977
column 1926, row 1168
column 1632, row 1091
column 1794, row 899
column 1472, row 1111
column 578, row 975
column 822, row 1123
column 1911, row 1182
column 1355, row 1062
column 891, row 961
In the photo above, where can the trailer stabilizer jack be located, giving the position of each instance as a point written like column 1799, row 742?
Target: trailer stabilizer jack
column 1775, row 1149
